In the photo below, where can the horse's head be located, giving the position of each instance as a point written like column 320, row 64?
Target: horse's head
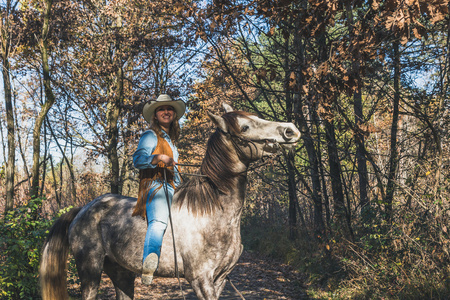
column 240, row 138
column 254, row 137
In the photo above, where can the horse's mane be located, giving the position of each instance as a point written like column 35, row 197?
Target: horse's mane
column 200, row 193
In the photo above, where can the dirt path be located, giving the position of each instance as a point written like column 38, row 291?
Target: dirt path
column 254, row 277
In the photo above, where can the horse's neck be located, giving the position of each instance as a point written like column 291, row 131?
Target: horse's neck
column 236, row 196
column 233, row 202
column 228, row 174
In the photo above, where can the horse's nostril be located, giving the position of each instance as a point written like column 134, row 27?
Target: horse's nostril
column 289, row 133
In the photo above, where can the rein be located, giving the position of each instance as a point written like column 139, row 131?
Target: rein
column 235, row 289
column 173, row 235
column 201, row 175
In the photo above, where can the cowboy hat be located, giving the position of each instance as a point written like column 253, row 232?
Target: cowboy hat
column 150, row 107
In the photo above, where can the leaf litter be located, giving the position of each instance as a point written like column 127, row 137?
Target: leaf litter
column 255, row 277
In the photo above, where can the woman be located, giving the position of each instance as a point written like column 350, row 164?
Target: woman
column 154, row 153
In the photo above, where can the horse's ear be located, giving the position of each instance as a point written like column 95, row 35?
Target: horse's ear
column 218, row 120
column 227, row 108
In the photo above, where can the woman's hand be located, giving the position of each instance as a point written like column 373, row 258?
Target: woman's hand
column 167, row 160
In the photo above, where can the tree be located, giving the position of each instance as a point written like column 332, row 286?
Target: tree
column 43, row 43
column 9, row 36
column 357, row 62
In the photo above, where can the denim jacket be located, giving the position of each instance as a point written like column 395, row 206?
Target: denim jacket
column 142, row 157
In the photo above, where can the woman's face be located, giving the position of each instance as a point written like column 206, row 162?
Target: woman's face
column 165, row 115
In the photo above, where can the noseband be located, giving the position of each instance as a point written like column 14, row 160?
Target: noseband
column 234, row 137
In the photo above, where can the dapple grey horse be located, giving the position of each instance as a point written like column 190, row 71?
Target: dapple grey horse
column 206, row 213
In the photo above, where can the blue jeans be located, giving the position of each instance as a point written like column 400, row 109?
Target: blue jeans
column 157, row 218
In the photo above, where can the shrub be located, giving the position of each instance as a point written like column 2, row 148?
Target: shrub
column 22, row 234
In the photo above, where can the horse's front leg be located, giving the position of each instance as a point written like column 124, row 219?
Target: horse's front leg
column 204, row 288
column 222, row 279
column 219, row 285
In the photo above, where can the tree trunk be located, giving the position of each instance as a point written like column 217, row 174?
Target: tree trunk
column 438, row 118
column 313, row 171
column 326, row 200
column 69, row 164
column 292, row 196
column 336, row 181
column 113, row 114
column 359, row 118
column 44, row 163
column 393, row 156
column 23, row 155
column 49, row 98
column 55, row 183
column 301, row 122
column 290, row 157
column 360, row 150
column 10, row 165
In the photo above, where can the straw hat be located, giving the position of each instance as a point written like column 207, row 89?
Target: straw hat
column 150, row 107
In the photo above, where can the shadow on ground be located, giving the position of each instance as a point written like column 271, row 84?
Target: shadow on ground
column 254, row 277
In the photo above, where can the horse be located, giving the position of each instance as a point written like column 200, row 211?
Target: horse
column 206, row 213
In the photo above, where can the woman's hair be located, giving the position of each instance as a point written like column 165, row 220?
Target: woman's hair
column 174, row 130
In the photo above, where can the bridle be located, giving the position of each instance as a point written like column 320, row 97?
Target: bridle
column 234, row 137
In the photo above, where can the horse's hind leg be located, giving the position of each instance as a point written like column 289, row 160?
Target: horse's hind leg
column 89, row 265
column 122, row 279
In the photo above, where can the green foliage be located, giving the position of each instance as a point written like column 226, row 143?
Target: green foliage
column 2, row 171
column 72, row 273
column 407, row 259
column 21, row 238
column 22, row 234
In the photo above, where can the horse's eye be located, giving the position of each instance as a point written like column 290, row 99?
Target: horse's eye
column 244, row 128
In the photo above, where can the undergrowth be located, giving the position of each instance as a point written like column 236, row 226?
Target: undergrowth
column 407, row 259
column 22, row 234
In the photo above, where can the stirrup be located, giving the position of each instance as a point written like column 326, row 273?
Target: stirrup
column 148, row 268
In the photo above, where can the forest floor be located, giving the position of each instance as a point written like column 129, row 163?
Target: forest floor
column 255, row 277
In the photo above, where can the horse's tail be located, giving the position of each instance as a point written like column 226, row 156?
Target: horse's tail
column 52, row 271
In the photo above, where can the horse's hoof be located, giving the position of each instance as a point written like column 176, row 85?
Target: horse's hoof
column 149, row 267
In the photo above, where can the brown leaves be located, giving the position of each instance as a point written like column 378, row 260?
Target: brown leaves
column 375, row 5
column 292, row 82
column 200, row 33
column 367, row 129
column 403, row 16
column 178, row 7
